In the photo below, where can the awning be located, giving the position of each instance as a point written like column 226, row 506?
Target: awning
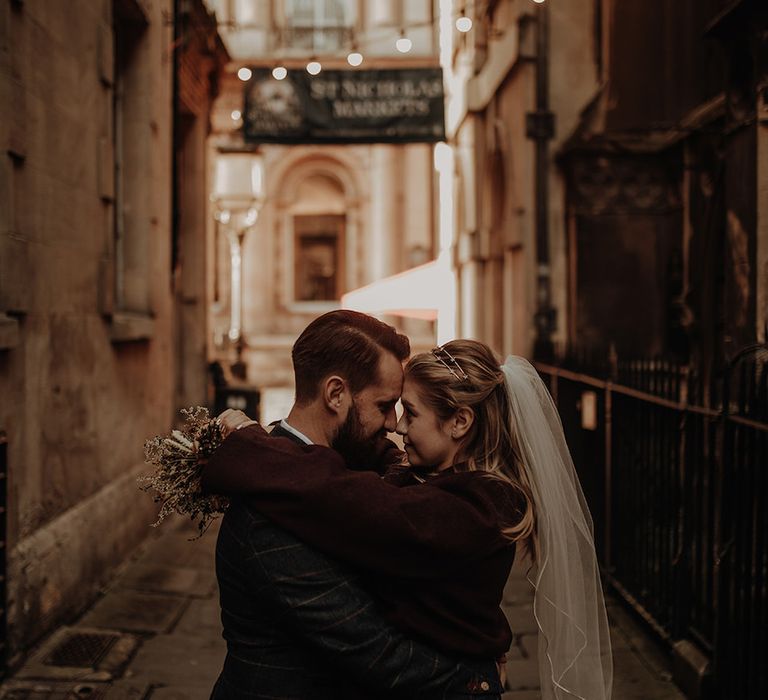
column 425, row 292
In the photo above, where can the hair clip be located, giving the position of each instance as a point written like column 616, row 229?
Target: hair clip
column 458, row 372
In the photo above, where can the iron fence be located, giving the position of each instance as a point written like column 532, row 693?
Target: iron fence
column 679, row 496
column 3, row 552
column 741, row 631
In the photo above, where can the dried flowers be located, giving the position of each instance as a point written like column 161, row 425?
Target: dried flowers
column 178, row 458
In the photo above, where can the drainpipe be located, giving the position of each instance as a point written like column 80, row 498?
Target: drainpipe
column 175, row 136
column 540, row 127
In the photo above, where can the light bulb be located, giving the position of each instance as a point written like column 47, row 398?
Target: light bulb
column 313, row 67
column 539, row 1
column 355, row 58
column 279, row 72
column 403, row 44
column 463, row 24
column 244, row 74
column 236, row 114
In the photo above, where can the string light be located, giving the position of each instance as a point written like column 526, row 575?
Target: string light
column 463, row 24
column 236, row 114
column 403, row 44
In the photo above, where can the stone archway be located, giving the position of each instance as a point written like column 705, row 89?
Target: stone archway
column 313, row 192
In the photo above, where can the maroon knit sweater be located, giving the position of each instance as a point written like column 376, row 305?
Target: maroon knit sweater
column 432, row 552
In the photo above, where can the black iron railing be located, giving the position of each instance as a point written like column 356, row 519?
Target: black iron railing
column 741, row 632
column 3, row 553
column 679, row 496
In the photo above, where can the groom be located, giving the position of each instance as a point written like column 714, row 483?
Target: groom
column 297, row 625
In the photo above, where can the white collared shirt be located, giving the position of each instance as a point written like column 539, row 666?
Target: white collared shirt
column 285, row 425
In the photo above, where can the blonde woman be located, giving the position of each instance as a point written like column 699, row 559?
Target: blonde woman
column 488, row 475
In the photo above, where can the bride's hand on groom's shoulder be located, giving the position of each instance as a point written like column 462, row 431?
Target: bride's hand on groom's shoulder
column 231, row 420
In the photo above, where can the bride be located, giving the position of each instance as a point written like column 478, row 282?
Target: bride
column 488, row 474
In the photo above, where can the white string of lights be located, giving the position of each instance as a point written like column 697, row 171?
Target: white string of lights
column 403, row 44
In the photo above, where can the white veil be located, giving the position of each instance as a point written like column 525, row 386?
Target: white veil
column 574, row 642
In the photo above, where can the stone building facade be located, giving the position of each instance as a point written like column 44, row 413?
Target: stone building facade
column 649, row 116
column 91, row 279
column 491, row 77
column 376, row 201
column 664, row 179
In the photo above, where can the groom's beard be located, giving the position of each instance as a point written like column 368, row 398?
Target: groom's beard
column 358, row 449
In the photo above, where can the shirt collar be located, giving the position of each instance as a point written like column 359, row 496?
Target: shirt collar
column 285, row 425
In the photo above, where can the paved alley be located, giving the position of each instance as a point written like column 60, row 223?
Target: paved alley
column 155, row 634
column 641, row 671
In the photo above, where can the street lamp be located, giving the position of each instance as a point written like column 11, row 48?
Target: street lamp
column 238, row 193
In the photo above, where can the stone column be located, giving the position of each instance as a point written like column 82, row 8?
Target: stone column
column 384, row 211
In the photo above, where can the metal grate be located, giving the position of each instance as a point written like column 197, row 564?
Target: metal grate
column 92, row 692
column 81, row 650
column 37, row 691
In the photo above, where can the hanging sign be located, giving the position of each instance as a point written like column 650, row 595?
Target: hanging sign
column 345, row 106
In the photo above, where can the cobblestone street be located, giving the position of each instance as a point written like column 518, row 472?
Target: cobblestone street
column 155, row 633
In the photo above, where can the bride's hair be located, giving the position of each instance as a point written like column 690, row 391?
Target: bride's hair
column 467, row 373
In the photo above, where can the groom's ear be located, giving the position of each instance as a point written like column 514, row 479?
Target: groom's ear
column 335, row 393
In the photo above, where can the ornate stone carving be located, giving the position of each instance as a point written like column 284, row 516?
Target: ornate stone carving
column 627, row 183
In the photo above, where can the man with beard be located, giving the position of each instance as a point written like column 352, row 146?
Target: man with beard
column 348, row 369
column 297, row 624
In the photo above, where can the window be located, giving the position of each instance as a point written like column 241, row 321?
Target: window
column 319, row 26
column 131, row 168
column 318, row 226
column 130, row 284
column 318, row 257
